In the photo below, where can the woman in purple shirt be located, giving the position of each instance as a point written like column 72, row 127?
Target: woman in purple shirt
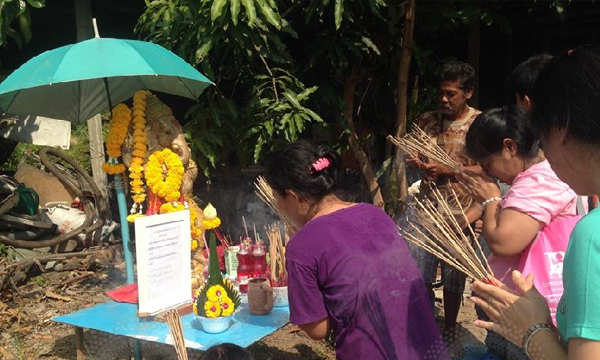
column 349, row 271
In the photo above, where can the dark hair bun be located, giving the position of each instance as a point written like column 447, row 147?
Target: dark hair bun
column 293, row 168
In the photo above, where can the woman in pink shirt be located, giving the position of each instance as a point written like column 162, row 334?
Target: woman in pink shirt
column 500, row 140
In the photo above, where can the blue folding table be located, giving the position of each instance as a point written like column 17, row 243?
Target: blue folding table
column 121, row 319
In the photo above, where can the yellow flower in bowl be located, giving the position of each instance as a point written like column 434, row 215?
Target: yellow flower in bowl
column 216, row 292
column 212, row 309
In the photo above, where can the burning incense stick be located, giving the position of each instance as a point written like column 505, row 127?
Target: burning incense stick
column 174, row 322
column 417, row 141
column 265, row 193
column 443, row 237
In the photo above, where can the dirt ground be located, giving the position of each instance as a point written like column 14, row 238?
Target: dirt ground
column 27, row 331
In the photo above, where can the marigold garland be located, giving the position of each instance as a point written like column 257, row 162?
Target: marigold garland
column 136, row 170
column 117, row 132
column 168, row 186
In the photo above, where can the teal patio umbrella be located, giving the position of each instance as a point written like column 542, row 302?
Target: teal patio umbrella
column 78, row 81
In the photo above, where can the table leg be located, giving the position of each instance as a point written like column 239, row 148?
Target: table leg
column 79, row 343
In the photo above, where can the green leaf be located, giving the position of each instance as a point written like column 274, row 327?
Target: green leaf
column 306, row 93
column 38, row 4
column 235, row 11
column 272, row 17
column 258, row 148
column 371, row 45
column 281, row 106
column 15, row 36
column 339, row 13
column 250, row 11
column 202, row 52
column 269, row 127
column 216, row 10
column 293, row 99
column 313, row 115
column 383, row 168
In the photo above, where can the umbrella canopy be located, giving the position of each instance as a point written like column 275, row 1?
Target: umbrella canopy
column 76, row 82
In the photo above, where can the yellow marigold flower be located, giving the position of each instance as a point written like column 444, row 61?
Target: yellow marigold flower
column 139, row 198
column 138, row 105
column 227, row 307
column 194, row 245
column 131, row 218
column 138, row 112
column 173, row 196
column 139, row 154
column 135, row 167
column 137, row 160
column 212, row 309
column 136, row 182
column 113, row 168
column 140, row 139
column 211, row 224
column 215, row 293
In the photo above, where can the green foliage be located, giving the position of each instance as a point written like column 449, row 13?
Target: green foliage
column 39, row 280
column 251, row 51
column 16, row 12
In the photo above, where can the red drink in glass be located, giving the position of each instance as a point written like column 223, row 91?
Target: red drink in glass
column 245, row 267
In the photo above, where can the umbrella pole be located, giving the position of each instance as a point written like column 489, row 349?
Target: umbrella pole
column 122, row 202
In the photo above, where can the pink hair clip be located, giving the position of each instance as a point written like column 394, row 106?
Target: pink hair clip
column 320, row 164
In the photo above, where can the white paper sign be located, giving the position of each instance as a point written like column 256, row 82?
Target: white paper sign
column 163, row 252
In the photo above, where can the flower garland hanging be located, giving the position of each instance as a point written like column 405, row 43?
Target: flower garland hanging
column 165, row 186
column 136, row 170
column 117, row 132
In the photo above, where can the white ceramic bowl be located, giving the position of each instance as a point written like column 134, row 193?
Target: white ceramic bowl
column 215, row 325
column 280, row 296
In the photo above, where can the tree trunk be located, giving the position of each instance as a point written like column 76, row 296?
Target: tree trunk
column 402, row 93
column 362, row 158
column 474, row 57
column 83, row 19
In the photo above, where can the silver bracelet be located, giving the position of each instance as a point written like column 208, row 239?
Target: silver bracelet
column 487, row 201
column 531, row 333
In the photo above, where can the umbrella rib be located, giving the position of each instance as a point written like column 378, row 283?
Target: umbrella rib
column 188, row 89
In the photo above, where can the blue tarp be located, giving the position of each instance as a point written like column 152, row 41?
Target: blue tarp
column 121, row 319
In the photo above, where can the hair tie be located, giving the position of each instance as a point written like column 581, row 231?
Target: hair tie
column 570, row 52
column 320, row 164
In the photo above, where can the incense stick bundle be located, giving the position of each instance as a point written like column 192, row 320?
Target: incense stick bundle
column 443, row 237
column 417, row 141
column 174, row 322
column 277, row 255
column 265, row 193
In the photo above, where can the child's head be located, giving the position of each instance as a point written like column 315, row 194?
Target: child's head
column 524, row 76
column 227, row 351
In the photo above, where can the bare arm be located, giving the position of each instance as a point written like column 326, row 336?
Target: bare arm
column 544, row 346
column 508, row 232
column 317, row 330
